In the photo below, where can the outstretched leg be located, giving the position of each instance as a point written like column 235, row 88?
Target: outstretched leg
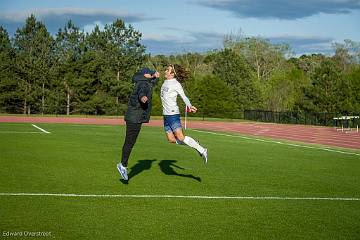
column 189, row 141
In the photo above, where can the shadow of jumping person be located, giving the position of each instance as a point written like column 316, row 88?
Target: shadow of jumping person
column 167, row 167
column 140, row 166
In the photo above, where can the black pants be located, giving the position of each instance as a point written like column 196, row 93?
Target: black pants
column 132, row 132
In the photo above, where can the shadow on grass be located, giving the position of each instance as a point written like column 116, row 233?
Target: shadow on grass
column 167, row 167
column 140, row 166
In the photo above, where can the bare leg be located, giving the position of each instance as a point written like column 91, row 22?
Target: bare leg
column 189, row 141
column 170, row 137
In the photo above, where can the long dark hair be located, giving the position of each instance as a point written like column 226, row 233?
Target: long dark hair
column 180, row 73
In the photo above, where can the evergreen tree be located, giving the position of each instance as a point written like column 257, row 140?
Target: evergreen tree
column 8, row 83
column 34, row 59
column 123, row 54
column 69, row 50
column 110, row 59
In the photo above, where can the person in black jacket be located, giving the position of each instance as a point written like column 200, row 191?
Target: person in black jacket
column 138, row 112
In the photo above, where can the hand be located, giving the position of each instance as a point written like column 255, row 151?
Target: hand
column 144, row 99
column 148, row 75
column 156, row 74
column 193, row 109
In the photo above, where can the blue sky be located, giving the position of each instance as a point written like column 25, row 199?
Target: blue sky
column 171, row 27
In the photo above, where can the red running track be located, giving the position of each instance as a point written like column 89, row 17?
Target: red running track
column 302, row 133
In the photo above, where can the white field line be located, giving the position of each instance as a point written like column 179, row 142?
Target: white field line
column 181, row 196
column 40, row 128
column 277, row 142
column 17, row 132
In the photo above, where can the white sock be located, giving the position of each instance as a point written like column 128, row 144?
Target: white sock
column 194, row 144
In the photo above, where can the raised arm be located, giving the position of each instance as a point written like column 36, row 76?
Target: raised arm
column 186, row 100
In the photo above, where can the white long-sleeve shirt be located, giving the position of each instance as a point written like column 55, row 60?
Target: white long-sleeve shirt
column 169, row 91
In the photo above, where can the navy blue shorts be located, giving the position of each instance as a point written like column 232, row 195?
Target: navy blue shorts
column 172, row 123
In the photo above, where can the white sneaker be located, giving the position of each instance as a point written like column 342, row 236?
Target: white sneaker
column 204, row 155
column 122, row 171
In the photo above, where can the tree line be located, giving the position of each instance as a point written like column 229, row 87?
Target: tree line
column 75, row 72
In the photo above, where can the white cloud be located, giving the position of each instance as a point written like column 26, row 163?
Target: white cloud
column 57, row 18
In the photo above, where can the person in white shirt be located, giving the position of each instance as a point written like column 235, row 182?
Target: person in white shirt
column 170, row 89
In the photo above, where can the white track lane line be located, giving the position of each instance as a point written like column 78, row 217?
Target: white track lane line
column 277, row 142
column 181, row 196
column 40, row 128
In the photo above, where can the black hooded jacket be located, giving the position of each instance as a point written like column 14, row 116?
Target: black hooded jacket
column 137, row 111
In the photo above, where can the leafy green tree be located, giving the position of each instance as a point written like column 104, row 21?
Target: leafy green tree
column 213, row 97
column 347, row 53
column 234, row 70
column 194, row 63
column 284, row 90
column 323, row 94
column 350, row 92
column 308, row 63
column 264, row 57
column 157, row 62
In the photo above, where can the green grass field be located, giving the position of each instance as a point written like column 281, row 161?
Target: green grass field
column 81, row 159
